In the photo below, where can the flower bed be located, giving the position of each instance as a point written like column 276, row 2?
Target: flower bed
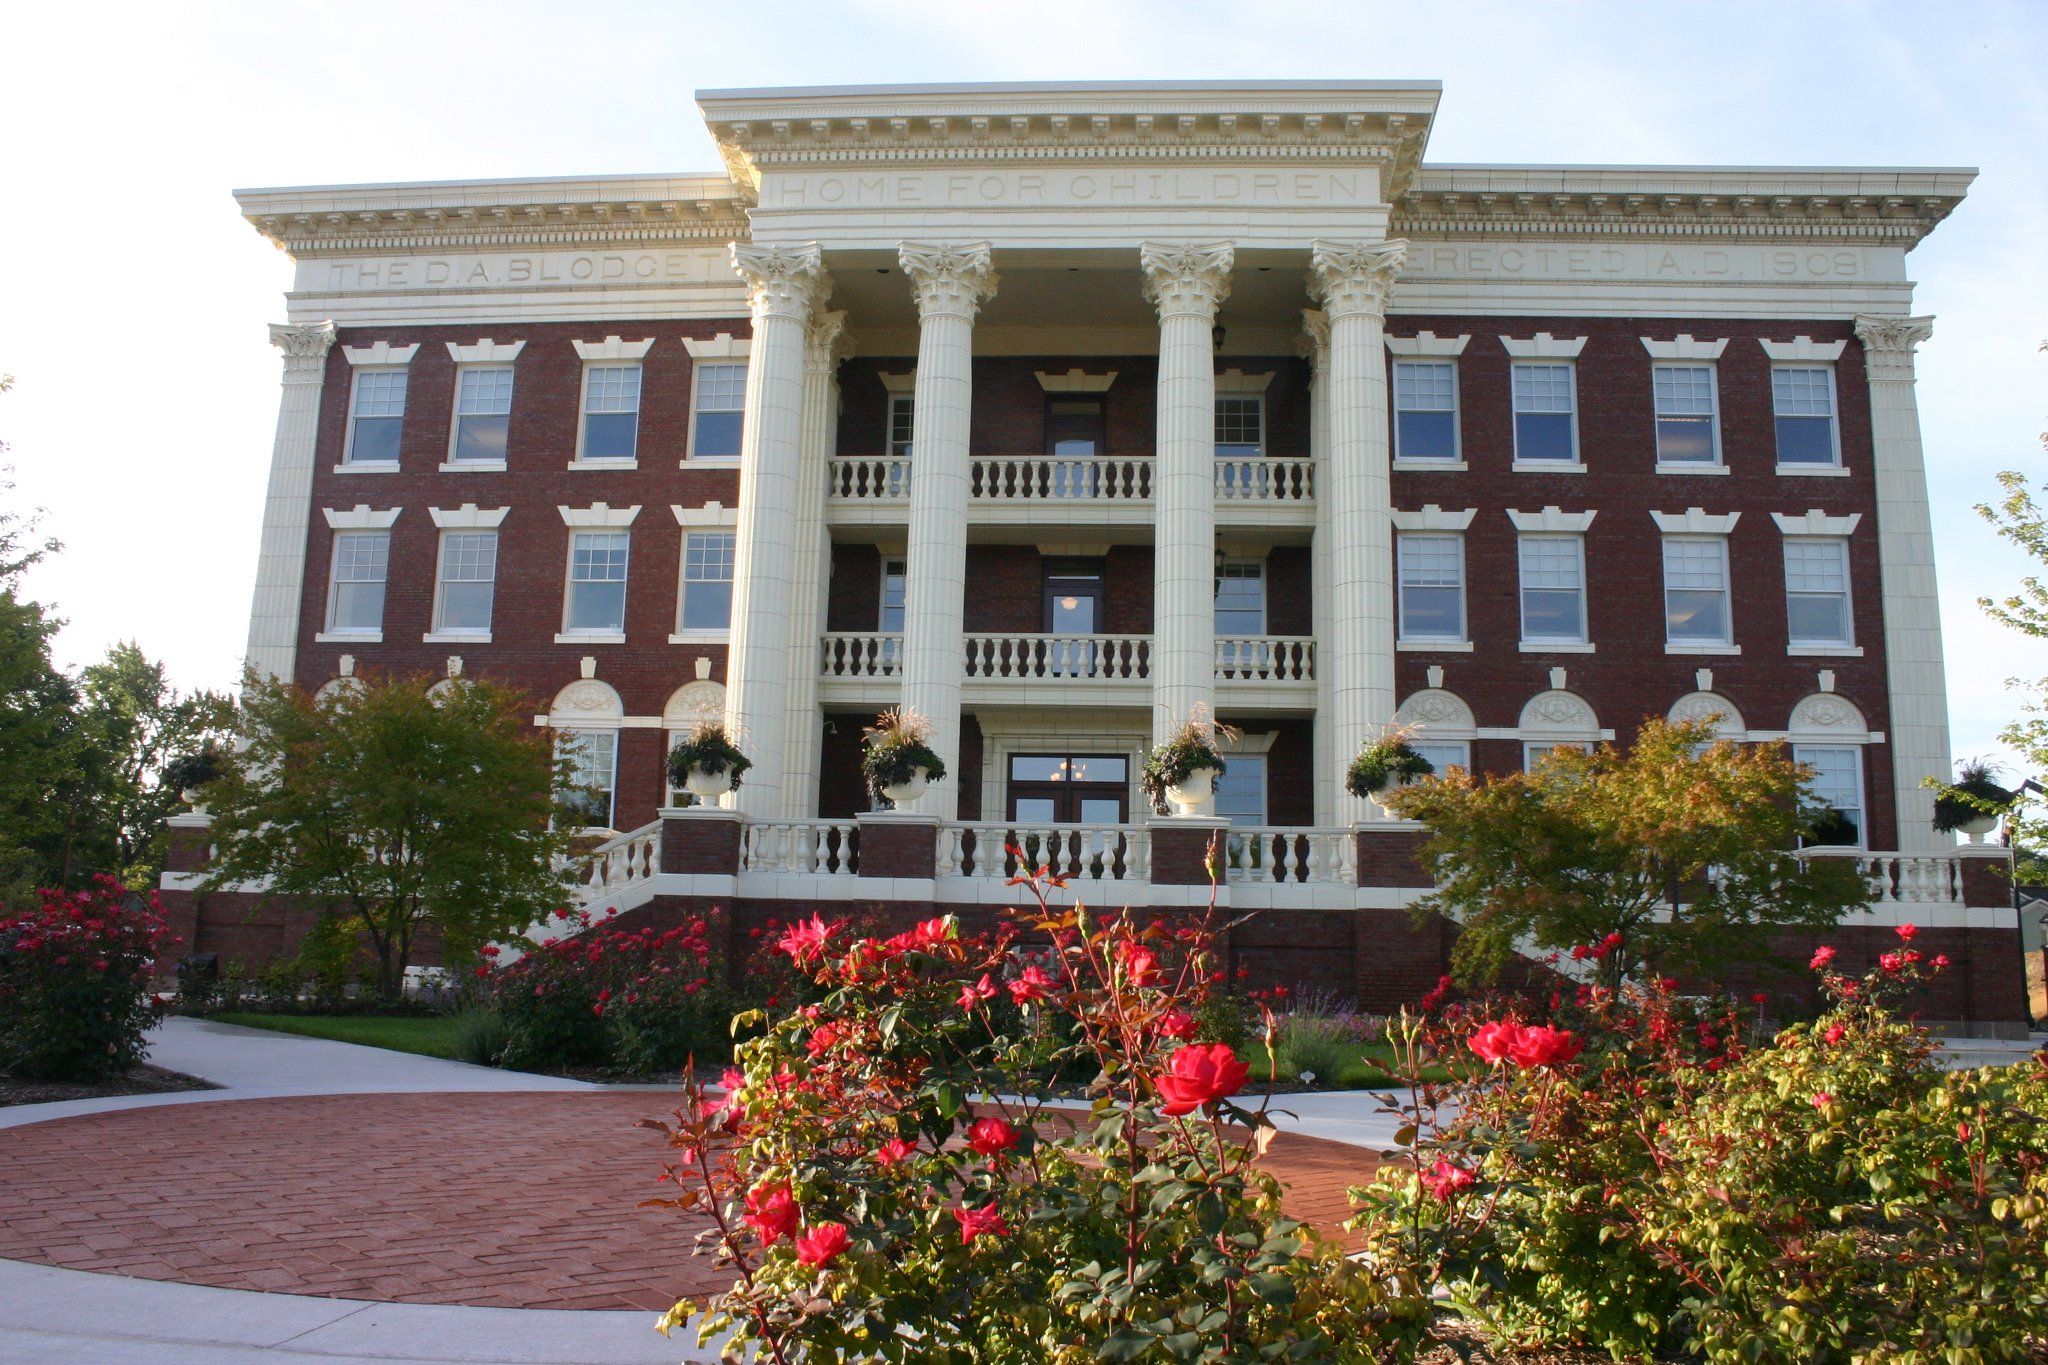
column 74, row 982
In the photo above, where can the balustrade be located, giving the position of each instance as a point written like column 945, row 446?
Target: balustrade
column 1109, row 853
column 826, row 848
column 862, row 654
column 1110, row 657
column 1266, row 658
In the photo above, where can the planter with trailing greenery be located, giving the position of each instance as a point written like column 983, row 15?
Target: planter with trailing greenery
column 1383, row 765
column 1973, row 803
column 188, row 773
column 707, row 763
column 898, row 761
column 1183, row 771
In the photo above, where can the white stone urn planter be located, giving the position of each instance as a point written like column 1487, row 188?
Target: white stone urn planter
column 1382, row 794
column 708, row 786
column 1193, row 793
column 901, row 794
column 1976, row 829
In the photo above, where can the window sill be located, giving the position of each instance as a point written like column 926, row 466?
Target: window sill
column 456, row 637
column 1824, row 651
column 473, row 467
column 1813, row 471
column 1548, row 467
column 349, row 637
column 591, row 637
column 368, row 467
column 1432, row 466
column 713, row 461
column 1692, row 469
column 690, row 637
column 1558, row 647
column 1433, row 646
column 1719, row 650
column 604, row 464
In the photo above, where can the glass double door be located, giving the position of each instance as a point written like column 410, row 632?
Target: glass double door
column 1069, row 789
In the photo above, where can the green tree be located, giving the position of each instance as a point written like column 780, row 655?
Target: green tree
column 402, row 808
column 1679, row 845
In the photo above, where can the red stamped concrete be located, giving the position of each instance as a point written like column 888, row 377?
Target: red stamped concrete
column 496, row 1200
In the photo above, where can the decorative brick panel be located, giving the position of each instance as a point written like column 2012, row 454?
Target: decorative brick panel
column 1986, row 877
column 706, row 843
column 1389, row 857
column 893, row 845
column 188, row 847
column 1181, row 850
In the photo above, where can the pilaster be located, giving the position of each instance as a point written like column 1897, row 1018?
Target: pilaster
column 288, row 502
column 826, row 345
column 1905, row 545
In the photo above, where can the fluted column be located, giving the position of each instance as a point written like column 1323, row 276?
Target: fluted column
column 1905, row 547
column 288, row 502
column 1329, row 767
column 825, row 347
column 1186, row 282
column 1352, row 281
column 785, row 285
column 951, row 281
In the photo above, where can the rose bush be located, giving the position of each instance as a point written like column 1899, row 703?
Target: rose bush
column 74, row 982
column 888, row 1177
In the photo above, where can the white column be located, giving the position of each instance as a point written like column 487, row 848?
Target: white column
column 825, row 347
column 951, row 282
column 1329, row 767
column 1186, row 282
column 288, row 503
column 1905, row 550
column 785, row 284
column 1352, row 281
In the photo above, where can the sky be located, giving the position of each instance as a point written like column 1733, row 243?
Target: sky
column 134, row 299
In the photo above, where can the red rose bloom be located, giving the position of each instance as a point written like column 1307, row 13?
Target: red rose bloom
column 771, row 1211
column 1822, row 956
column 1834, row 1033
column 1542, row 1045
column 1907, row 931
column 991, row 1135
column 1032, row 985
column 804, row 942
column 894, row 1152
column 986, row 1221
column 1140, row 963
column 1178, row 1024
column 1493, row 1041
column 1445, row 1179
column 1199, row 1074
column 822, row 1244
column 973, row 995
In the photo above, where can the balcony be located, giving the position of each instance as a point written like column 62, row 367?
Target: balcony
column 1103, row 490
column 865, row 667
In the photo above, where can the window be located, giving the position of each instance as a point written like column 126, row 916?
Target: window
column 1803, row 401
column 902, row 424
column 719, row 418
column 1687, row 430
column 469, row 571
column 1086, row 789
column 895, row 574
column 1241, row 597
column 594, row 759
column 1546, row 421
column 376, row 415
column 483, row 413
column 1426, row 410
column 1553, row 589
column 1240, row 428
column 611, row 412
column 1534, row 752
column 1817, row 593
column 355, row 600
column 1445, row 755
column 707, row 581
column 1696, row 590
column 597, row 582
column 1432, row 587
column 1837, row 783
column 1241, row 790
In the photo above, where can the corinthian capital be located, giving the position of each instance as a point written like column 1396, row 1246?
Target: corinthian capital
column 949, row 278
column 1350, row 278
column 783, row 281
column 1888, row 344
column 1186, row 277
column 1315, row 337
column 826, row 344
column 308, row 341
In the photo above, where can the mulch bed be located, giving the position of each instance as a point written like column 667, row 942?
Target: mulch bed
column 143, row 1080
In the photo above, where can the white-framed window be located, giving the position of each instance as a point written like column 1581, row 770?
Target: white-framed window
column 594, row 756
column 1817, row 593
column 717, row 409
column 1696, row 608
column 597, row 583
column 902, row 424
column 466, row 582
column 1241, row 790
column 1837, row 783
column 1432, row 573
column 1553, row 574
column 1425, row 410
column 1803, row 403
column 1240, row 426
column 707, row 581
column 1241, row 597
column 355, row 594
column 895, row 582
column 376, row 415
column 1546, row 411
column 1688, row 414
column 1535, row 751
column 611, row 411
column 1445, row 754
column 483, row 414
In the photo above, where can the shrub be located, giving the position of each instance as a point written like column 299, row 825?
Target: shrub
column 481, row 1035
column 74, row 982
column 1322, row 1047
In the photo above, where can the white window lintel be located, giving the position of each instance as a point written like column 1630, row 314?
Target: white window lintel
column 1073, row 381
column 905, row 382
column 1238, row 382
column 382, row 353
column 1544, row 346
column 1685, row 348
column 1434, row 518
column 711, row 516
column 360, row 518
column 1428, row 343
column 1816, row 523
column 485, row 352
column 1552, row 519
column 612, row 348
column 598, row 514
column 1695, row 521
column 724, row 346
column 468, row 517
column 1804, row 348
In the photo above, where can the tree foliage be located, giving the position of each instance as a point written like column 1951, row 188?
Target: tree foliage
column 38, row 722
column 403, row 808
column 1681, row 846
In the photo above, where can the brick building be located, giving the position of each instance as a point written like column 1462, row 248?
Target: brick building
column 1060, row 411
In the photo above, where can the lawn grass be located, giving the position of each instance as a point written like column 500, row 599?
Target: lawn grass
column 430, row 1036
column 1366, row 1066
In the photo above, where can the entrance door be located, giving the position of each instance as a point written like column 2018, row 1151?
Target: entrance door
column 1073, row 606
column 1076, row 430
column 1070, row 789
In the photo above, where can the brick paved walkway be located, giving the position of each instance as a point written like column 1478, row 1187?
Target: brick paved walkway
column 496, row 1200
